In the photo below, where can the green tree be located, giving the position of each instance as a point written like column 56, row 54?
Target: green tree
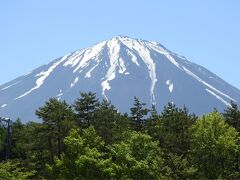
column 18, row 150
column 121, row 126
column 57, row 118
column 139, row 157
column 138, row 112
column 104, row 120
column 108, row 123
column 85, row 106
column 14, row 170
column 181, row 167
column 151, row 123
column 171, row 129
column 214, row 145
column 83, row 158
column 232, row 116
column 30, row 145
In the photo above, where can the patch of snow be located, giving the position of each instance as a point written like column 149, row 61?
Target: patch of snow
column 27, row 73
column 75, row 81
column 122, row 67
column 165, row 53
column 127, row 73
column 105, row 86
column 88, row 74
column 219, row 98
column 155, row 43
column 3, row 105
column 9, row 86
column 171, row 59
column 170, row 85
column 89, row 54
column 106, row 64
column 44, row 75
column 114, row 49
column 40, row 74
column 144, row 53
column 74, row 59
column 182, row 57
column 127, row 42
column 141, row 47
column 133, row 57
column 60, row 94
column 208, row 85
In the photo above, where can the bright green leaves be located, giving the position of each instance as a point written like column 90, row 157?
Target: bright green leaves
column 214, row 145
column 14, row 170
column 83, row 158
column 139, row 157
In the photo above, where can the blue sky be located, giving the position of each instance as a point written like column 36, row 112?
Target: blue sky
column 33, row 33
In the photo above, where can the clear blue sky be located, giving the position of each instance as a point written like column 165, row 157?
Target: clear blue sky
column 34, row 32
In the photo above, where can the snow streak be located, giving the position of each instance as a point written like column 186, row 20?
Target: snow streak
column 171, row 59
column 43, row 75
column 170, row 85
column 141, row 48
column 114, row 50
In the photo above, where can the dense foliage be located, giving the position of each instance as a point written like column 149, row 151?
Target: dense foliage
column 91, row 139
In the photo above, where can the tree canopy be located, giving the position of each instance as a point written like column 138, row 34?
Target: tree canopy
column 91, row 139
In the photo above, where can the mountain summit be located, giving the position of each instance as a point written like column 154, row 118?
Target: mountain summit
column 118, row 70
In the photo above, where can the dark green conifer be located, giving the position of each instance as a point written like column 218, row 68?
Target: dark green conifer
column 56, row 116
column 85, row 106
column 138, row 112
column 232, row 116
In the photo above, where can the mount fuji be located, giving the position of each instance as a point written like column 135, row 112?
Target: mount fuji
column 118, row 70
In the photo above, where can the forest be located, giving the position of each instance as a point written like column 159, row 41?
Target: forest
column 91, row 139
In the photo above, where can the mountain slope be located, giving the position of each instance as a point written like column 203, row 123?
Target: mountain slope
column 118, row 70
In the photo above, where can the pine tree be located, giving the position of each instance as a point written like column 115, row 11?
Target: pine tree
column 17, row 150
column 232, row 116
column 151, row 122
column 138, row 112
column 108, row 123
column 104, row 120
column 57, row 117
column 85, row 106
column 173, row 126
column 121, row 126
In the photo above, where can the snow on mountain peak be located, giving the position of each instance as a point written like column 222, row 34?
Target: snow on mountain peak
column 135, row 48
column 119, row 69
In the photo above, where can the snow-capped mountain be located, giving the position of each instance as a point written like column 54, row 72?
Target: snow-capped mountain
column 118, row 70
